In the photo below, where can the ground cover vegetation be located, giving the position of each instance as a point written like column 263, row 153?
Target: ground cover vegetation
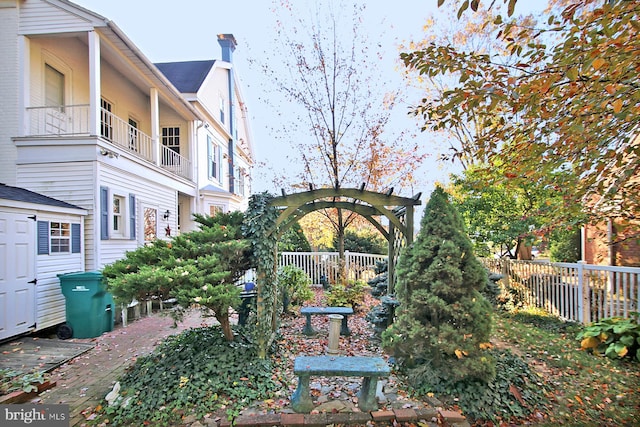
column 13, row 380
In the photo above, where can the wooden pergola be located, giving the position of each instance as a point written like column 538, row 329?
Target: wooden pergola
column 371, row 205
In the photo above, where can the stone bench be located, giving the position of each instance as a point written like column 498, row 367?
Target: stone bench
column 370, row 368
column 343, row 311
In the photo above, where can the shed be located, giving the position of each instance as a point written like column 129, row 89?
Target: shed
column 40, row 237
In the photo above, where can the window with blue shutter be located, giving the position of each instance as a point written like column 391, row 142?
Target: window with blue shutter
column 75, row 238
column 43, row 237
column 210, row 154
column 132, row 216
column 104, row 213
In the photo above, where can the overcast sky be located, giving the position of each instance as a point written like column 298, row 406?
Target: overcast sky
column 170, row 30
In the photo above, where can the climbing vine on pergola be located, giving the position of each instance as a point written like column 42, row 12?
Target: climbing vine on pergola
column 269, row 216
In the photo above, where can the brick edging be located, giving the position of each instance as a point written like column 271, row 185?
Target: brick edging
column 449, row 418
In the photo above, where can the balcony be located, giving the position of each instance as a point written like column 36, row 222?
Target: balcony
column 73, row 120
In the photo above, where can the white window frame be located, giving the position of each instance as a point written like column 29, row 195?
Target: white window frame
column 214, row 159
column 165, row 139
column 120, row 233
column 58, row 235
column 133, row 134
column 239, row 181
column 106, row 119
column 223, row 109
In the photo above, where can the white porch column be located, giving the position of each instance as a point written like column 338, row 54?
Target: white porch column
column 24, row 97
column 155, row 124
column 93, row 41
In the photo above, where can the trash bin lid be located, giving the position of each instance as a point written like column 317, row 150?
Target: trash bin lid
column 81, row 275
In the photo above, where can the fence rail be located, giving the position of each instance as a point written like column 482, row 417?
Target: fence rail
column 324, row 266
column 578, row 292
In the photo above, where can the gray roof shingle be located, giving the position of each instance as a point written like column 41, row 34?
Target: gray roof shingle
column 22, row 195
column 186, row 76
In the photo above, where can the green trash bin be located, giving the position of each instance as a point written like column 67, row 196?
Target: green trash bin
column 89, row 307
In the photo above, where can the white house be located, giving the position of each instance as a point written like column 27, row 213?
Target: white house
column 87, row 119
column 212, row 88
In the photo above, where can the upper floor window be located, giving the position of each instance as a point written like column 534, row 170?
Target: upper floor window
column 171, row 140
column 239, row 181
column 222, row 108
column 106, row 119
column 53, row 87
column 213, row 154
column 133, row 134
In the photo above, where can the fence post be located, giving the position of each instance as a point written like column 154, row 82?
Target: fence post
column 504, row 264
column 584, row 304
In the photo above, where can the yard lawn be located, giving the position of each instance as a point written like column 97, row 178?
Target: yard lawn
column 585, row 389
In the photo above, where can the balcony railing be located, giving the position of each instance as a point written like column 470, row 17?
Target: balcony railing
column 125, row 136
column 70, row 120
column 175, row 163
column 59, row 121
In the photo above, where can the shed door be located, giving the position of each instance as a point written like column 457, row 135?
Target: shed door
column 17, row 274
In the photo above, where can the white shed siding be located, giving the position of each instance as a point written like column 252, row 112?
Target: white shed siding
column 42, row 17
column 148, row 193
column 9, row 87
column 70, row 182
column 50, row 303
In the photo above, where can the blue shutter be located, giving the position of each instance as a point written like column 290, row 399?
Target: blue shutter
column 104, row 213
column 75, row 238
column 43, row 237
column 132, row 216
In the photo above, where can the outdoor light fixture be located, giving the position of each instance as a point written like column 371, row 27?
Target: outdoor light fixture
column 109, row 153
column 166, row 214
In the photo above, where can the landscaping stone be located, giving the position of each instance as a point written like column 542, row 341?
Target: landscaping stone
column 403, row 415
column 315, row 420
column 292, row 419
column 333, row 406
column 426, row 414
column 379, row 416
column 359, row 417
column 452, row 416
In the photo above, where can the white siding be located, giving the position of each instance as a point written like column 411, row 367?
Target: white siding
column 9, row 87
column 41, row 17
column 50, row 303
column 70, row 182
column 148, row 193
column 126, row 98
column 69, row 56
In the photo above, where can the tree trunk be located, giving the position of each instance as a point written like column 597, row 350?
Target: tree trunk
column 223, row 318
column 342, row 274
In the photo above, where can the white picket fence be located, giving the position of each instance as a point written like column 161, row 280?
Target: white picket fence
column 323, row 266
column 578, row 292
